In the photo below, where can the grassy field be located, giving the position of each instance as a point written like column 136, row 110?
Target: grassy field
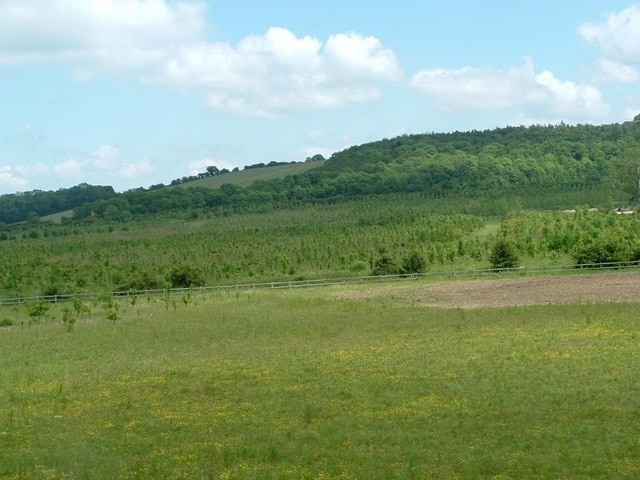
column 244, row 178
column 313, row 384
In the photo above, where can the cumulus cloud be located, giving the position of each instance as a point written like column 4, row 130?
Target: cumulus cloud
column 618, row 37
column 105, row 157
column 477, row 88
column 100, row 164
column 118, row 32
column 9, row 179
column 278, row 72
column 631, row 112
column 519, row 87
column 69, row 169
column 619, row 72
column 38, row 169
column 162, row 42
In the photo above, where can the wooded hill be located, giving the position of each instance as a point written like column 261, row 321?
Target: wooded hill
column 540, row 159
column 37, row 203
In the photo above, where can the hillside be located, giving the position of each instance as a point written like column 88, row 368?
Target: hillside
column 247, row 176
column 525, row 160
column 20, row 206
column 517, row 160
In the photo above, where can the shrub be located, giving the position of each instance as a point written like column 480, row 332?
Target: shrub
column 186, row 276
column 504, row 254
column 38, row 310
column 6, row 322
column 413, row 263
column 142, row 281
column 384, row 266
column 358, row 266
column 609, row 249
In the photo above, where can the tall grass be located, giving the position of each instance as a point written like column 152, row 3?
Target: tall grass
column 291, row 384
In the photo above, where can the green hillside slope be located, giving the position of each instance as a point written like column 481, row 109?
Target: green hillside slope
column 535, row 161
column 246, row 177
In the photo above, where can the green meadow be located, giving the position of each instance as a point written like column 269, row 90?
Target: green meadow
column 246, row 177
column 313, row 384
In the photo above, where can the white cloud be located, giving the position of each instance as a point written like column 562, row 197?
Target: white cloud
column 618, row 35
column 619, row 72
column 310, row 151
column 477, row 88
column 102, row 164
column 135, row 170
column 68, row 169
column 630, row 113
column 9, row 179
column 105, row 157
column 358, row 57
column 519, row 87
column 278, row 72
column 571, row 98
column 114, row 31
column 38, row 169
column 162, row 42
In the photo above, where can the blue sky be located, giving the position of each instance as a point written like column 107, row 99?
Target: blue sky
column 132, row 93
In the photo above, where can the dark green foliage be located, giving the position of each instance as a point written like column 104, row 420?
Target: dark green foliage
column 52, row 291
column 504, row 254
column 414, row 262
column 384, row 265
column 6, row 322
column 186, row 276
column 608, row 248
column 144, row 280
column 19, row 207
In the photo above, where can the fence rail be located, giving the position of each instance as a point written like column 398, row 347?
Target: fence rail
column 522, row 271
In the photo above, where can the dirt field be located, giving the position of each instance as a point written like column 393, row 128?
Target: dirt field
column 583, row 288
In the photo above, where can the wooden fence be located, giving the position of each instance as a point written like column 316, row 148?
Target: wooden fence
column 520, row 271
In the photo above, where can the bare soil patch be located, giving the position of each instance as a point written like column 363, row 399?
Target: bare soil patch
column 582, row 288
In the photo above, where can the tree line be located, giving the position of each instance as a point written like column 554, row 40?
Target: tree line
column 492, row 162
column 20, row 206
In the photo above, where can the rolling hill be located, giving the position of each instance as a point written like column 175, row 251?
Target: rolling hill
column 540, row 160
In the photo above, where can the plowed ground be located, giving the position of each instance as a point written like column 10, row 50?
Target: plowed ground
column 468, row 294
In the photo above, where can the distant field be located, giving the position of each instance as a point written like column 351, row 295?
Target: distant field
column 319, row 384
column 245, row 178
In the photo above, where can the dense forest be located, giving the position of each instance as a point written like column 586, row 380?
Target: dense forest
column 541, row 159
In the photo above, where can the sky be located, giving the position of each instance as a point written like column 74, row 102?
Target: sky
column 132, row 93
